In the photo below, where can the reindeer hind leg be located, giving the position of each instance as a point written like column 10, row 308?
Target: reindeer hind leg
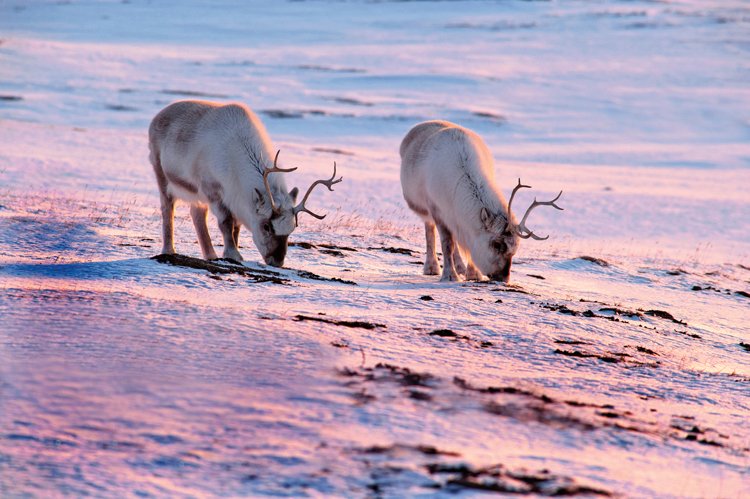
column 167, row 224
column 167, row 206
column 431, row 265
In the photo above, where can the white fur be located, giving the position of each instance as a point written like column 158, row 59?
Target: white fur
column 448, row 179
column 214, row 155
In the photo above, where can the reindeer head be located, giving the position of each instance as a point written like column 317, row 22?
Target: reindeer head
column 501, row 236
column 278, row 218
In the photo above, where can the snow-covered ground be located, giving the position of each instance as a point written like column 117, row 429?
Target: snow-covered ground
column 626, row 372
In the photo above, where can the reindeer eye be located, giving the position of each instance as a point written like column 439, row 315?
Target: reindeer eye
column 266, row 227
column 500, row 246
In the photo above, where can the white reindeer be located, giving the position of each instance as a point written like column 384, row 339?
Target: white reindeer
column 218, row 156
column 448, row 179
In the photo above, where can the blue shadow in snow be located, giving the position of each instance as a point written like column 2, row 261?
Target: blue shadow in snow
column 116, row 269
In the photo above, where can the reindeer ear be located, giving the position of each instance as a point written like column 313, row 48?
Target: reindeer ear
column 486, row 218
column 294, row 193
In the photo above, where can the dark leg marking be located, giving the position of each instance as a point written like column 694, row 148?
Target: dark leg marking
column 448, row 245
column 228, row 226
column 458, row 262
column 236, row 232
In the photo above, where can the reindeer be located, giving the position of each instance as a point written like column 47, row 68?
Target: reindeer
column 448, row 179
column 218, row 156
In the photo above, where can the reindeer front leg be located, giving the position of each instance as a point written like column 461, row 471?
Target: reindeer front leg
column 236, row 233
column 229, row 226
column 446, row 241
column 473, row 273
column 457, row 260
column 199, row 213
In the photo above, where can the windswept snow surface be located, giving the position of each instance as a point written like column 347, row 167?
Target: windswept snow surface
column 626, row 372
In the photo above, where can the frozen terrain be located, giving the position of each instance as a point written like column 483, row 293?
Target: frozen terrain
column 617, row 362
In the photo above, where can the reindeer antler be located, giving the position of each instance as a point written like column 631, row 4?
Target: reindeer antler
column 274, row 169
column 328, row 183
column 521, row 227
column 515, row 189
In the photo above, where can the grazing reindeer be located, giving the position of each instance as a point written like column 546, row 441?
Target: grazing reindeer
column 448, row 179
column 218, row 156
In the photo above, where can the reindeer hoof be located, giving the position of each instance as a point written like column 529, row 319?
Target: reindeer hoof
column 472, row 274
column 233, row 255
column 461, row 268
column 451, row 278
column 431, row 269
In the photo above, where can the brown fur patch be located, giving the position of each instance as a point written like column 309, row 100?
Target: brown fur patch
column 182, row 184
column 213, row 191
column 184, row 135
column 417, row 209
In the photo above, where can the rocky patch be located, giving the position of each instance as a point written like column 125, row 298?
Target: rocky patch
column 354, row 324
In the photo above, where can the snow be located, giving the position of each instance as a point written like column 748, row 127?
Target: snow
column 123, row 376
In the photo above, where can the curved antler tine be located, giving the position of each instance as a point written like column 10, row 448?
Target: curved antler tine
column 333, row 180
column 521, row 185
column 515, row 189
column 276, row 169
column 524, row 231
column 305, row 210
column 300, row 208
column 552, row 203
column 532, row 236
column 273, row 169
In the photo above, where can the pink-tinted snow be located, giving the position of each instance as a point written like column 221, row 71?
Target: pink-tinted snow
column 121, row 376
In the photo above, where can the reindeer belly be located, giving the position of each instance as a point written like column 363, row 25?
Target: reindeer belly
column 182, row 173
column 422, row 211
